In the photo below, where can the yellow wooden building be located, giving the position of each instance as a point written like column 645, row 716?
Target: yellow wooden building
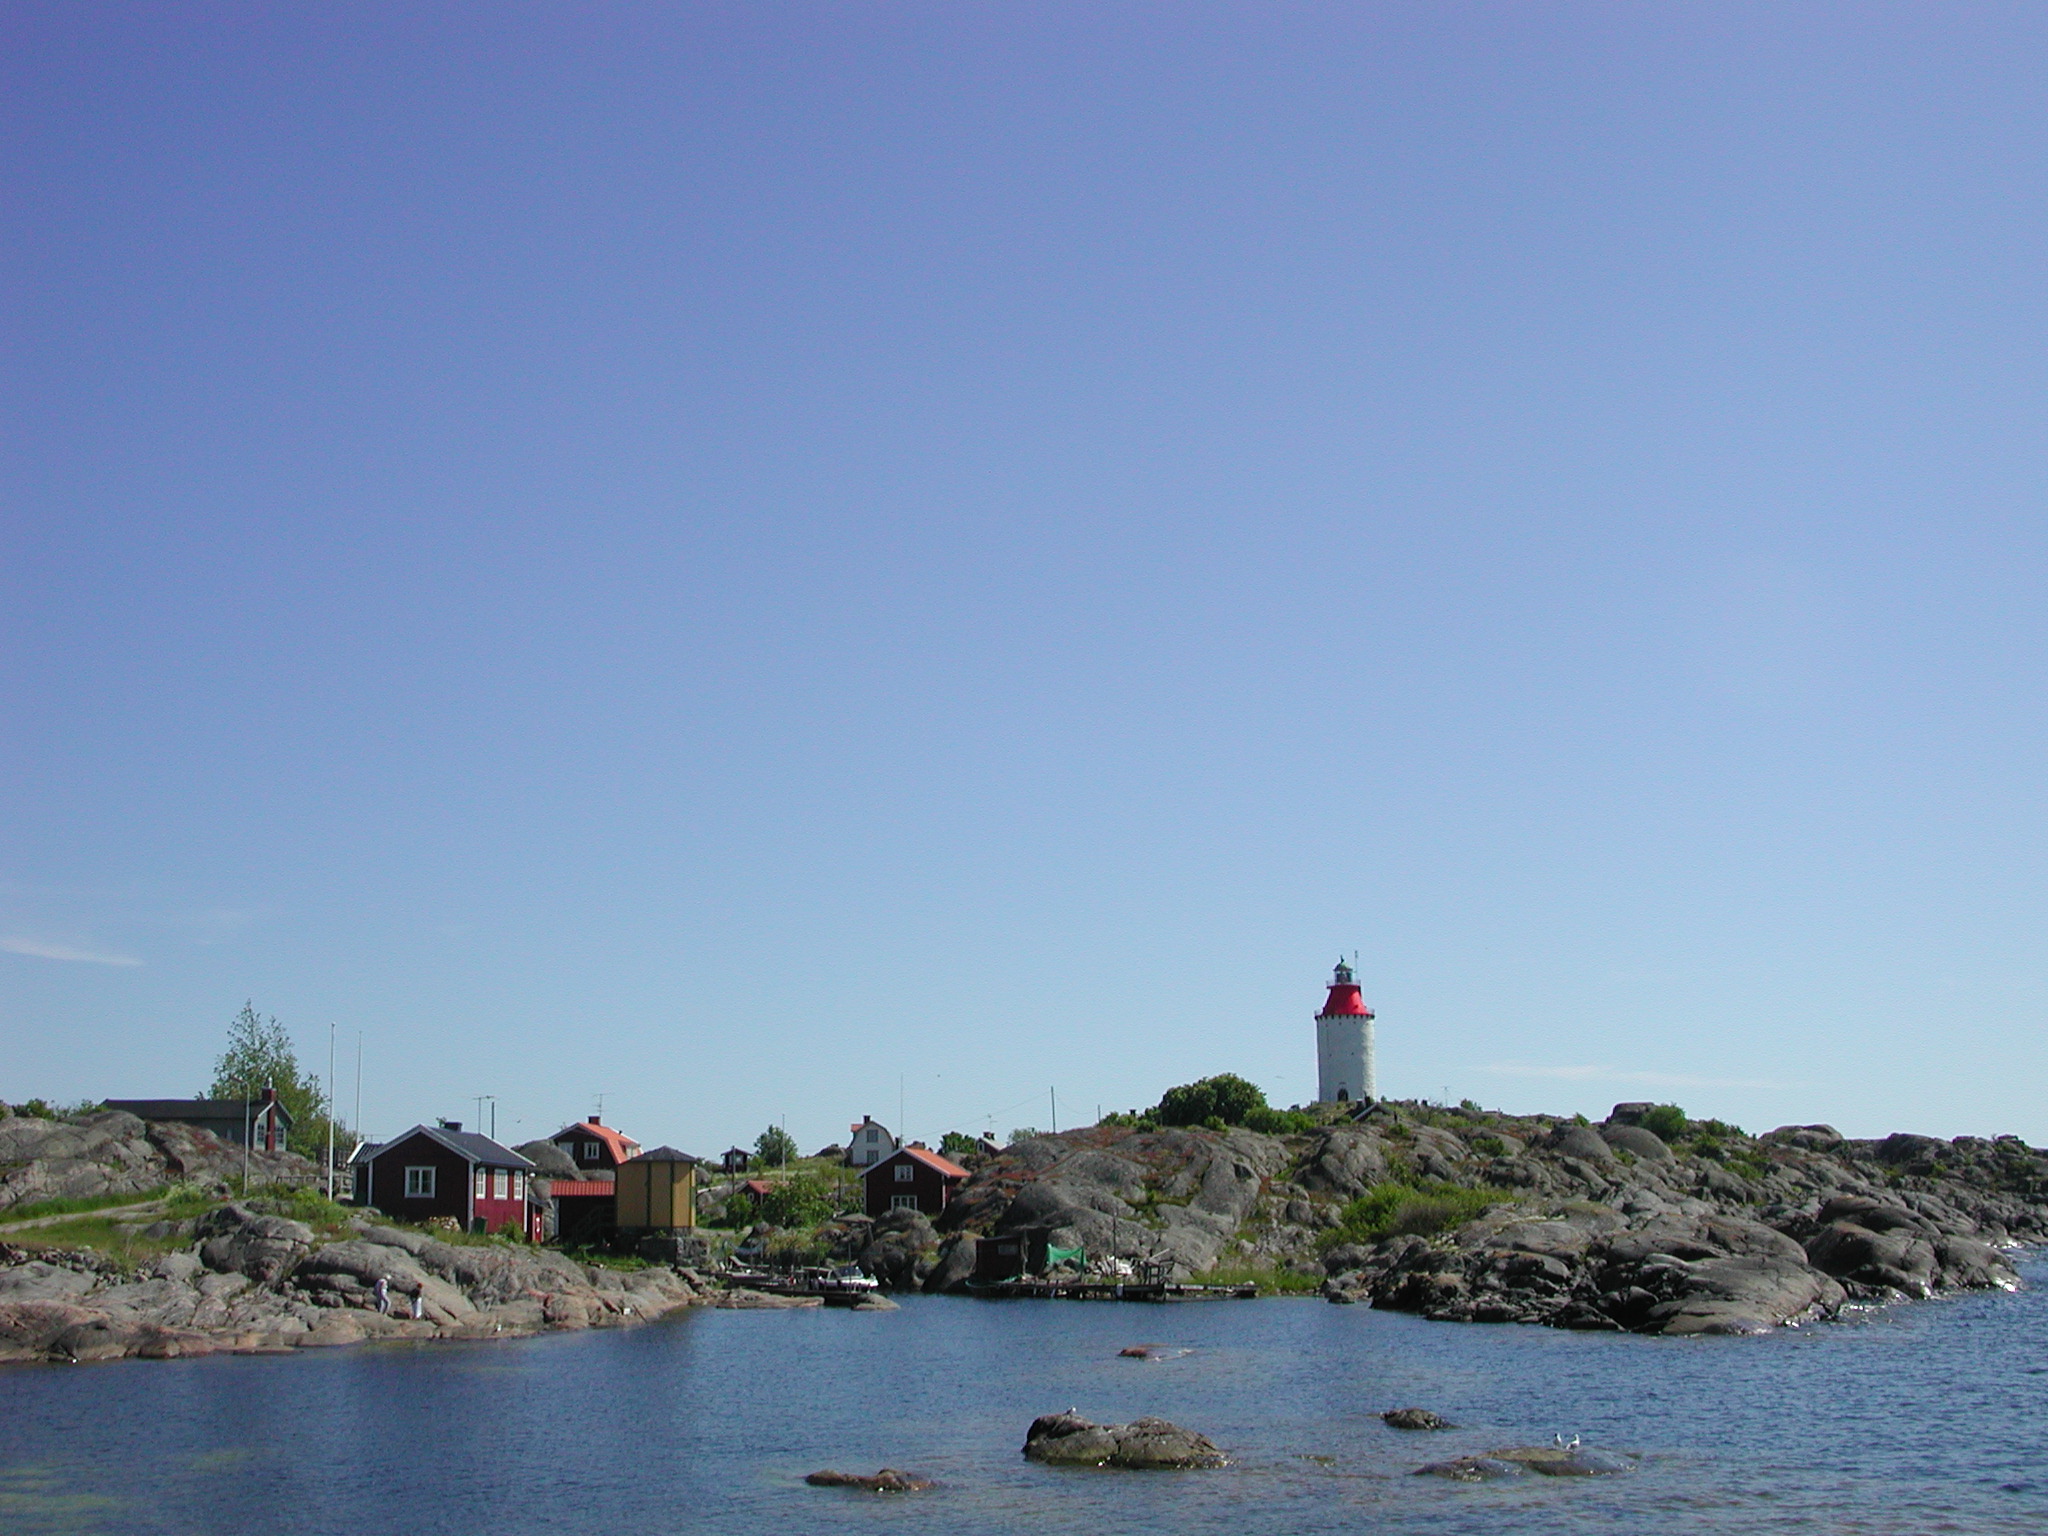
column 657, row 1192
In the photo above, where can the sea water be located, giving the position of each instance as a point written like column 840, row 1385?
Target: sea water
column 1910, row 1419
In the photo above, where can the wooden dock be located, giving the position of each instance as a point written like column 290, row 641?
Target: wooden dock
column 1096, row 1289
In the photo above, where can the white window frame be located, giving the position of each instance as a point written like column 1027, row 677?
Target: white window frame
column 905, row 1174
column 501, row 1184
column 903, row 1202
column 419, row 1182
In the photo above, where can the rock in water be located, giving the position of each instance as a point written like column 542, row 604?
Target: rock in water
column 887, row 1480
column 1415, row 1418
column 1551, row 1461
column 1067, row 1439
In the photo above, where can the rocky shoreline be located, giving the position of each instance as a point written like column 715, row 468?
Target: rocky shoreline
column 1456, row 1214
column 1571, row 1224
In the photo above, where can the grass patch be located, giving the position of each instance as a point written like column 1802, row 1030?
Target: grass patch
column 124, row 1244
column 603, row 1260
column 78, row 1206
column 1271, row 1279
column 1387, row 1210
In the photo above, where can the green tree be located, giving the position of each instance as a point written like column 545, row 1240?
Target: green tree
column 957, row 1145
column 803, row 1200
column 260, row 1056
column 776, row 1147
column 1225, row 1097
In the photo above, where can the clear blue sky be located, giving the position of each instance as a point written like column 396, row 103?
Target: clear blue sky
column 730, row 555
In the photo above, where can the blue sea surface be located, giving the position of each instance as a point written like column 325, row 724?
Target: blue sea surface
column 1911, row 1419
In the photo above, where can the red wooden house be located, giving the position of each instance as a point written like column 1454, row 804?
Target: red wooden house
column 443, row 1170
column 914, row 1178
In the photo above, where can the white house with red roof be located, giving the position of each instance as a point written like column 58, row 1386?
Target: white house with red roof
column 868, row 1143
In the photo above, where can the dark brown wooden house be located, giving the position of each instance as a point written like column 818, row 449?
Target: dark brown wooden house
column 443, row 1170
column 914, row 1178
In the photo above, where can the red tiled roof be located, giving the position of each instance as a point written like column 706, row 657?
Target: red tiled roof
column 623, row 1147
column 925, row 1155
column 579, row 1187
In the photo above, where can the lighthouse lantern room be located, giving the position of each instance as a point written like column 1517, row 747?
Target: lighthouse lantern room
column 1344, row 1054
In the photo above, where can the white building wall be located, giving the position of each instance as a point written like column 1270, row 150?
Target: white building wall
column 1344, row 1058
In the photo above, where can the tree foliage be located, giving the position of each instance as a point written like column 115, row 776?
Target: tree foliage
column 802, row 1200
column 1226, row 1097
column 260, row 1056
column 776, row 1148
column 957, row 1145
column 1667, row 1120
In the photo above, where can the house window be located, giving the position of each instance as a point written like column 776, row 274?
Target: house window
column 501, row 1184
column 419, row 1183
column 905, row 1173
column 518, row 1186
column 592, row 1151
column 874, row 1135
column 903, row 1202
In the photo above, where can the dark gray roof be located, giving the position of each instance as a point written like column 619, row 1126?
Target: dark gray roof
column 665, row 1155
column 193, row 1109
column 468, row 1145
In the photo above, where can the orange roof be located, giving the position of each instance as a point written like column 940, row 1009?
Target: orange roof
column 925, row 1155
column 623, row 1147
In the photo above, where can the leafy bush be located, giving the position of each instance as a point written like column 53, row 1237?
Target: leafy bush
column 1271, row 1279
column 776, row 1148
column 1225, row 1097
column 957, row 1145
column 1130, row 1119
column 1489, row 1146
column 1280, row 1122
column 1389, row 1209
column 1667, row 1120
column 803, row 1200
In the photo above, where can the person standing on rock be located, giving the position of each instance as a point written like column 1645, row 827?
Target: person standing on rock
column 383, row 1296
column 419, row 1304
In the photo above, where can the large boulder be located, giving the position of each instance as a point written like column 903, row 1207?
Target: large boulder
column 1637, row 1141
column 1581, row 1142
column 1067, row 1439
column 236, row 1240
column 549, row 1160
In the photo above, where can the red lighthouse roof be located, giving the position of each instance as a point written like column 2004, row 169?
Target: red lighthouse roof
column 1344, row 999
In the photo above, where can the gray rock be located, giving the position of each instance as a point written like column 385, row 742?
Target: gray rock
column 236, row 1240
column 1581, row 1142
column 1637, row 1141
column 1515, row 1460
column 1415, row 1418
column 38, row 1281
column 1066, row 1439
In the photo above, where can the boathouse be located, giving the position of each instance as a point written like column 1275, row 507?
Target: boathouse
column 914, row 1178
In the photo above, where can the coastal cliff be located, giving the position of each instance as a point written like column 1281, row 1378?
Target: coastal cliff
column 1466, row 1215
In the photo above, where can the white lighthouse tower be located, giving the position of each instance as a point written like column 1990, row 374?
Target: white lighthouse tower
column 1344, row 1058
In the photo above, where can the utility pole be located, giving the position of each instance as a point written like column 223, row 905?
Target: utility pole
column 1054, row 1095
column 245, row 1141
column 330, row 1110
